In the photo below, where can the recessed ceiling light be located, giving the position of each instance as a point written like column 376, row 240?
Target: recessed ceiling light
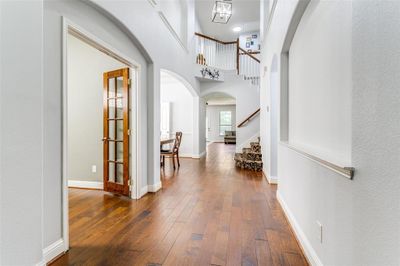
column 237, row 29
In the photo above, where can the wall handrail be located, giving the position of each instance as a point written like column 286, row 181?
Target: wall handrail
column 249, row 117
column 343, row 170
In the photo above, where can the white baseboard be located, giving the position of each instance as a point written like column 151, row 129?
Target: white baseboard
column 52, row 251
column 198, row 156
column 155, row 187
column 309, row 251
column 143, row 191
column 185, row 155
column 149, row 188
column 85, row 184
column 271, row 179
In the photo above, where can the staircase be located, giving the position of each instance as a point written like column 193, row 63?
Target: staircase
column 216, row 56
column 250, row 158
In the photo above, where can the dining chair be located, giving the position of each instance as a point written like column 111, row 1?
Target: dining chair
column 174, row 151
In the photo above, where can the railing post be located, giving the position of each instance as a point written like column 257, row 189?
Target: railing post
column 237, row 56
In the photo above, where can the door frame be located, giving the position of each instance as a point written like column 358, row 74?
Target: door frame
column 135, row 170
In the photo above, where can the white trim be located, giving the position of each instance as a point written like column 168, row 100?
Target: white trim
column 198, row 156
column 271, row 179
column 173, row 32
column 155, row 187
column 185, row 155
column 153, row 3
column 135, row 153
column 85, row 184
column 65, row 203
column 52, row 251
column 309, row 252
column 143, row 191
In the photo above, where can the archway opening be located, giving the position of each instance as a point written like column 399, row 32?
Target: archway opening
column 220, row 118
column 177, row 111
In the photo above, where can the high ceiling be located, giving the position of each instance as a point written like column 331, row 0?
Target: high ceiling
column 245, row 14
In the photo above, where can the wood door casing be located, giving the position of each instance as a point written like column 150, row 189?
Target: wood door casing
column 111, row 99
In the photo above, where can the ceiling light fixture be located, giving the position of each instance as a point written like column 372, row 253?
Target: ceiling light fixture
column 222, row 12
column 237, row 29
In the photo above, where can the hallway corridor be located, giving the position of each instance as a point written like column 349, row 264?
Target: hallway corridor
column 208, row 213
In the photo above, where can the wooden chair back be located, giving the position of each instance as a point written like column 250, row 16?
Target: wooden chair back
column 177, row 143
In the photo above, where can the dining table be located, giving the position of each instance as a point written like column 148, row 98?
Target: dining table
column 164, row 141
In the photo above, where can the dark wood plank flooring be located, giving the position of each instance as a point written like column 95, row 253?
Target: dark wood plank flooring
column 208, row 213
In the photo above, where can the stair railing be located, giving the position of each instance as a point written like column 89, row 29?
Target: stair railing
column 227, row 56
column 249, row 118
column 249, row 66
column 216, row 53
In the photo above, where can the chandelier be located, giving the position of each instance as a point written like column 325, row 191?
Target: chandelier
column 222, row 12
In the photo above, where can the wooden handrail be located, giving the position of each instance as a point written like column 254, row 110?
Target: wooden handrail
column 253, row 52
column 249, row 117
column 247, row 53
column 213, row 39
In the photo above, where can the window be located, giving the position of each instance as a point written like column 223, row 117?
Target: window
column 225, row 122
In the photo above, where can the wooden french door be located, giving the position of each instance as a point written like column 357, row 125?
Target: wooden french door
column 116, row 131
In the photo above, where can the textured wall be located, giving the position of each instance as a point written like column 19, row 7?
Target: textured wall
column 360, row 218
column 376, row 132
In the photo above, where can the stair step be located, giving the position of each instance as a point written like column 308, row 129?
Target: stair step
column 245, row 150
column 244, row 162
column 255, row 146
column 253, row 165
column 253, row 156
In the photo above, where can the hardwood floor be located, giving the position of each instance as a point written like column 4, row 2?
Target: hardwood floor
column 208, row 213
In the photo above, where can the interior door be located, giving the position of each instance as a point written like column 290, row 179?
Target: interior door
column 116, row 131
column 165, row 119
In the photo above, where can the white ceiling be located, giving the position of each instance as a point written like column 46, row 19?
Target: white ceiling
column 245, row 14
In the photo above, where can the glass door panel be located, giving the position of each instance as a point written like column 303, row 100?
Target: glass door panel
column 116, row 126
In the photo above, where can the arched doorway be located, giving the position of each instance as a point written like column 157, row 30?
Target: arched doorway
column 220, row 117
column 177, row 111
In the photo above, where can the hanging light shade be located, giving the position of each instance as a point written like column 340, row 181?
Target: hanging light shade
column 222, row 12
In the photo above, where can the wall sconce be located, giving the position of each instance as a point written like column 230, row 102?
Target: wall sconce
column 222, row 12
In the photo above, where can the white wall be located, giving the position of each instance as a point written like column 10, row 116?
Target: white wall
column 156, row 38
column 40, row 147
column 376, row 132
column 308, row 191
column 247, row 101
column 86, row 66
column 360, row 217
column 21, row 135
column 320, row 92
column 212, row 113
column 243, row 40
column 175, row 11
column 181, row 111
column 100, row 26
